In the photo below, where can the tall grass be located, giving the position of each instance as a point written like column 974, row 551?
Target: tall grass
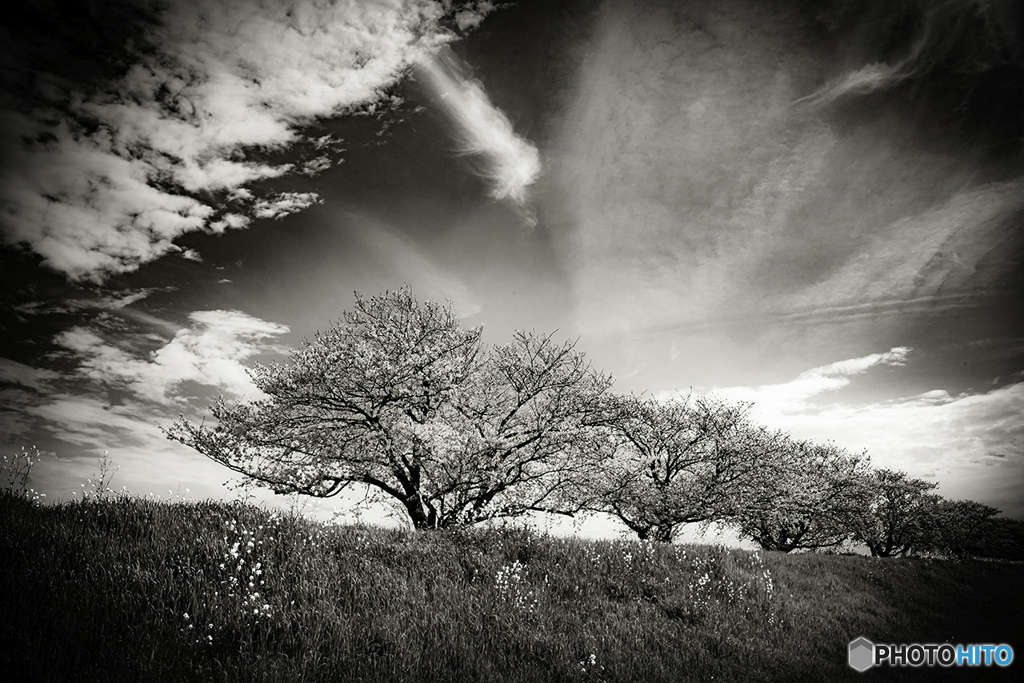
column 135, row 590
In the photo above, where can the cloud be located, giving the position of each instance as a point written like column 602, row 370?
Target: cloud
column 209, row 353
column 864, row 80
column 104, row 169
column 945, row 254
column 15, row 423
column 510, row 163
column 231, row 220
column 284, row 204
column 402, row 259
column 921, row 36
column 473, row 14
column 119, row 396
column 698, row 196
column 679, row 160
column 147, row 461
column 972, row 443
column 88, row 422
column 795, row 395
column 109, row 302
column 13, row 372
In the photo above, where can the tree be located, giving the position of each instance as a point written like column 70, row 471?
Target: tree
column 898, row 516
column 528, row 422
column 810, row 501
column 955, row 527
column 680, row 461
column 1000, row 538
column 399, row 397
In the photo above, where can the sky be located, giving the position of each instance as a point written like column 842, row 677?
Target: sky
column 817, row 207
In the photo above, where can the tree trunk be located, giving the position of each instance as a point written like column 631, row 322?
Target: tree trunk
column 422, row 517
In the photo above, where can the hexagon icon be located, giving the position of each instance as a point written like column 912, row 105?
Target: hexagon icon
column 862, row 654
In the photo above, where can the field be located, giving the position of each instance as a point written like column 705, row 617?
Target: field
column 135, row 590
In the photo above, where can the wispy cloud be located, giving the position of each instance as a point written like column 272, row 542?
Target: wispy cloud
column 99, row 178
column 510, row 163
column 210, row 352
column 13, row 372
column 972, row 443
column 147, row 462
column 934, row 37
column 697, row 195
column 119, row 395
column 402, row 260
column 15, row 423
column 954, row 249
column 793, row 396
column 866, row 79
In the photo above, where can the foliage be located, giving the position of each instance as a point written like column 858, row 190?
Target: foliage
column 100, row 486
column 898, row 519
column 810, row 501
column 16, row 472
column 681, row 461
column 399, row 397
column 954, row 525
column 998, row 538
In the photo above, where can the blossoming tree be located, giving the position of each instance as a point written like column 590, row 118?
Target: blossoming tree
column 897, row 519
column 399, row 397
column 958, row 527
column 903, row 518
column 680, row 461
column 814, row 494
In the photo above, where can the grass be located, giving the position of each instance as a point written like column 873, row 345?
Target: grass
column 136, row 590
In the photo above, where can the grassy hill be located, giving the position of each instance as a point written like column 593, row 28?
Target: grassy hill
column 135, row 590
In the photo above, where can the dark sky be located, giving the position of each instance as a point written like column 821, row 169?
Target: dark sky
column 816, row 206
